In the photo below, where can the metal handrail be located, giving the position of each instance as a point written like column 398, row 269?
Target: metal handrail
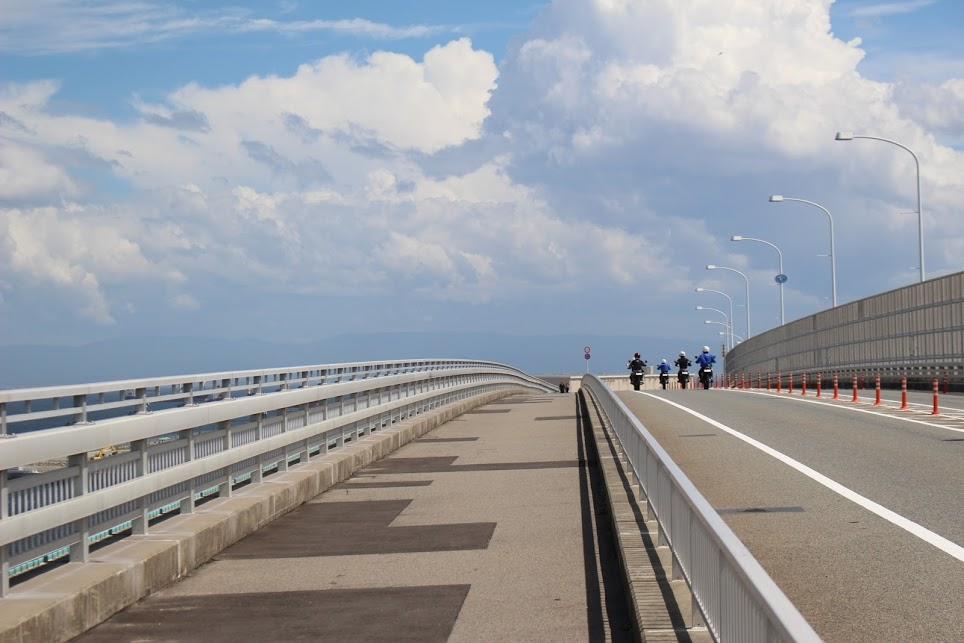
column 736, row 597
column 169, row 458
column 28, row 409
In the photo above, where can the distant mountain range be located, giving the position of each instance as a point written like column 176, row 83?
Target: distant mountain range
column 45, row 365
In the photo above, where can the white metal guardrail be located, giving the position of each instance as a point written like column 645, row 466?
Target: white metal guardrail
column 84, row 462
column 737, row 599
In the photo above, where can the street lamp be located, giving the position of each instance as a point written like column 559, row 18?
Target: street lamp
column 849, row 136
column 781, row 278
column 777, row 198
column 717, row 310
column 729, row 299
column 747, row 281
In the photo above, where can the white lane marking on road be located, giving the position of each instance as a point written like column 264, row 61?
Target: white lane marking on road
column 928, row 536
column 843, row 407
column 925, row 405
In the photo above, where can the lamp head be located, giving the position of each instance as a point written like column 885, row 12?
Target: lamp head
column 699, row 289
column 776, row 198
column 710, row 267
column 736, row 237
column 699, row 308
column 707, row 321
column 844, row 136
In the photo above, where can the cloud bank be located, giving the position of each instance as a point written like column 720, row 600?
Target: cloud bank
column 602, row 164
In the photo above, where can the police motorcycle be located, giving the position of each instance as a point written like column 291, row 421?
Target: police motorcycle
column 706, row 376
column 705, row 362
column 683, row 375
column 664, row 370
column 636, row 366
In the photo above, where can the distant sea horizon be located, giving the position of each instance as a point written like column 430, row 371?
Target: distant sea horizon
column 30, row 365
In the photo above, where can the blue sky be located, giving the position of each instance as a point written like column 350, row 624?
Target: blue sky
column 905, row 40
column 300, row 170
column 102, row 79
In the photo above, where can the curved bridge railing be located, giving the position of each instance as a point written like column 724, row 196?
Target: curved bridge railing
column 86, row 462
column 737, row 599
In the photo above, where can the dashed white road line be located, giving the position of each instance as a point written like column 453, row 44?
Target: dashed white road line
column 844, row 407
column 928, row 536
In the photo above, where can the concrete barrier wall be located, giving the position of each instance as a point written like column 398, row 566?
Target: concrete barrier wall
column 618, row 382
column 64, row 602
column 916, row 330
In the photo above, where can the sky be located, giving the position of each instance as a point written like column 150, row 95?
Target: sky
column 294, row 171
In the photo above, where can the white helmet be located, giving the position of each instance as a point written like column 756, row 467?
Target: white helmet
column 682, row 353
column 662, row 361
column 706, row 349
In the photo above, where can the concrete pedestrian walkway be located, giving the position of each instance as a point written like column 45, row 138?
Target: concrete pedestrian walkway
column 482, row 530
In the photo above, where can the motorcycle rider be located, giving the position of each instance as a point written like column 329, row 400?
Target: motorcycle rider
column 664, row 370
column 705, row 363
column 683, row 363
column 636, row 366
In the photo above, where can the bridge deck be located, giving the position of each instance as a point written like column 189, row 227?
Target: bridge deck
column 854, row 575
column 481, row 530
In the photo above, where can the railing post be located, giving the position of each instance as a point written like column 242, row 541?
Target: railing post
column 187, row 504
column 188, row 387
column 80, row 550
column 141, row 394
column 4, row 562
column 80, row 403
column 224, row 489
column 139, row 523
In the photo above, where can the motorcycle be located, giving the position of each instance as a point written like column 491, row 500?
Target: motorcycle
column 636, row 379
column 684, row 377
column 663, row 380
column 706, row 376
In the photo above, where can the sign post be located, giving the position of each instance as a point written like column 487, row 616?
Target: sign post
column 587, row 355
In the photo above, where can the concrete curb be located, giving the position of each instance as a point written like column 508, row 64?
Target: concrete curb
column 661, row 606
column 65, row 602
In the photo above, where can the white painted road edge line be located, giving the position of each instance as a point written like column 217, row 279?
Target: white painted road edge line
column 910, row 526
column 843, row 406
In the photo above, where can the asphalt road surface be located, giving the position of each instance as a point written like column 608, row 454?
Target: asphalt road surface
column 871, row 551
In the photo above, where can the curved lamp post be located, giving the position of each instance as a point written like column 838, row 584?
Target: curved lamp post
column 737, row 237
column 729, row 299
column 778, row 198
column 747, row 281
column 849, row 136
column 725, row 318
